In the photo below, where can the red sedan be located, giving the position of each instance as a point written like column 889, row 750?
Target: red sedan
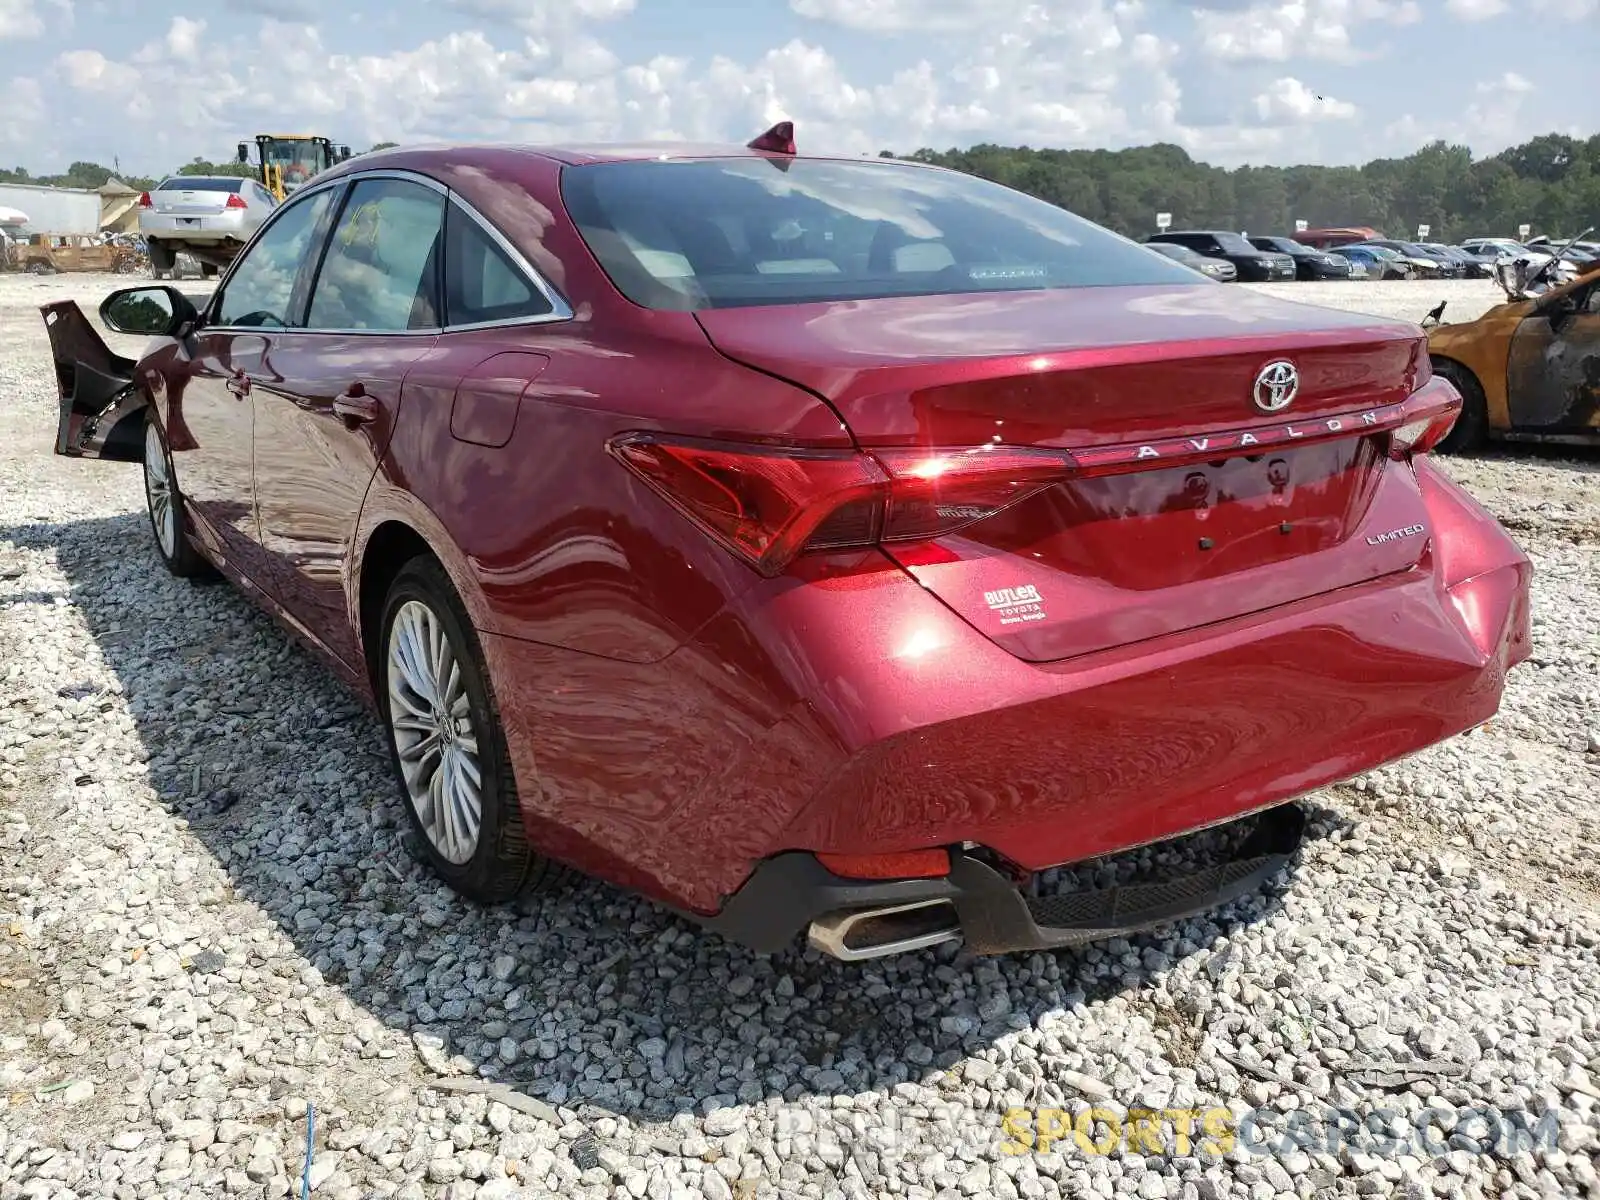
column 811, row 543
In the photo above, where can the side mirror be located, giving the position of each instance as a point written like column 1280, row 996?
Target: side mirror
column 344, row 153
column 155, row 311
column 244, row 152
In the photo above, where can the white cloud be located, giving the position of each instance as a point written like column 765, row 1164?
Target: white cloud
column 183, row 38
column 1287, row 101
column 278, row 10
column 19, row 19
column 885, row 16
column 22, row 102
column 1278, row 32
column 93, row 72
column 1491, row 122
column 1041, row 72
column 543, row 16
column 1475, row 10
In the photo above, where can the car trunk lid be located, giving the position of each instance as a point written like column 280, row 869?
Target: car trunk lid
column 190, row 202
column 1184, row 503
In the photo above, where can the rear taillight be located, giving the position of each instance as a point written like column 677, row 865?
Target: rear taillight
column 235, row 201
column 768, row 505
column 765, row 505
column 144, row 200
column 1431, row 413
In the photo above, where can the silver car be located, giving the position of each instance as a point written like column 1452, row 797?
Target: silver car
column 207, row 216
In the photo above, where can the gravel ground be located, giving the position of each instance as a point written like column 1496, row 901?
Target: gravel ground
column 208, row 919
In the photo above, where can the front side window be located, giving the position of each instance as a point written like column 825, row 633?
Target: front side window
column 734, row 232
column 380, row 271
column 261, row 287
column 482, row 283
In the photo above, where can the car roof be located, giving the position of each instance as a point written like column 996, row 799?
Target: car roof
column 586, row 153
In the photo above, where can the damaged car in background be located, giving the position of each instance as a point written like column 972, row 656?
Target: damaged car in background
column 819, row 547
column 1528, row 369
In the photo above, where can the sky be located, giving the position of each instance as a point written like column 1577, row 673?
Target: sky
column 1242, row 81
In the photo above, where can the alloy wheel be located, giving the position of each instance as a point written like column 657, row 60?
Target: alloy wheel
column 158, row 493
column 435, row 736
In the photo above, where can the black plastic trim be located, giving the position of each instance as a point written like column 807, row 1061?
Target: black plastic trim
column 789, row 891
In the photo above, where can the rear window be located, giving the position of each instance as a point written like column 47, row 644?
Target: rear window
column 200, row 183
column 728, row 233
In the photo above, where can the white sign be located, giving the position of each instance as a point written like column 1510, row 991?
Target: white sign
column 1422, row 231
column 1301, row 227
column 1163, row 221
column 1523, row 231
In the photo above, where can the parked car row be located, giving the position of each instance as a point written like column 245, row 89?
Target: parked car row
column 1356, row 253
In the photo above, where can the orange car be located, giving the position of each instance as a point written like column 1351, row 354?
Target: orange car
column 1527, row 370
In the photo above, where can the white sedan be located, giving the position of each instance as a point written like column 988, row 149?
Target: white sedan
column 208, row 216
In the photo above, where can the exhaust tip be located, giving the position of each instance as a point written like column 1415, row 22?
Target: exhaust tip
column 858, row 934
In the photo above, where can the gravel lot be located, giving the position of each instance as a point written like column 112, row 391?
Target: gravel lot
column 208, row 919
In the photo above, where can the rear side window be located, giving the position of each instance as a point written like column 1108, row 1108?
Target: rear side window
column 380, row 271
column 734, row 232
column 482, row 283
column 201, row 183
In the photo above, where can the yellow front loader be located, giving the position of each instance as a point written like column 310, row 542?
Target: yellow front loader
column 285, row 161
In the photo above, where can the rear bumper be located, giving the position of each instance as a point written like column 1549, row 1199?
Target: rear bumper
column 220, row 228
column 990, row 914
column 851, row 712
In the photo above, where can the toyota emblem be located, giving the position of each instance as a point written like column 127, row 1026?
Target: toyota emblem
column 1276, row 386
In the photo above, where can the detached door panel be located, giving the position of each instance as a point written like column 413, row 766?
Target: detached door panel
column 1553, row 375
column 326, row 413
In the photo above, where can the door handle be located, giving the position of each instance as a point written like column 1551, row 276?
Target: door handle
column 239, row 384
column 355, row 407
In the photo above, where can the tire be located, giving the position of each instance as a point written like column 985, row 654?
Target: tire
column 493, row 863
column 169, row 519
column 1471, row 429
column 162, row 260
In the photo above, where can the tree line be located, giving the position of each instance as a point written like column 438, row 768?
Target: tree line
column 1551, row 183
column 94, row 175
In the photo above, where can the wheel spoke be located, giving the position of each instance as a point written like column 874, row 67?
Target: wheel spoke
column 470, row 809
column 410, row 660
column 419, row 751
column 442, row 827
column 452, row 693
column 410, row 721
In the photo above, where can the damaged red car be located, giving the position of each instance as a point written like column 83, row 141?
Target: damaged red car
column 811, row 544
